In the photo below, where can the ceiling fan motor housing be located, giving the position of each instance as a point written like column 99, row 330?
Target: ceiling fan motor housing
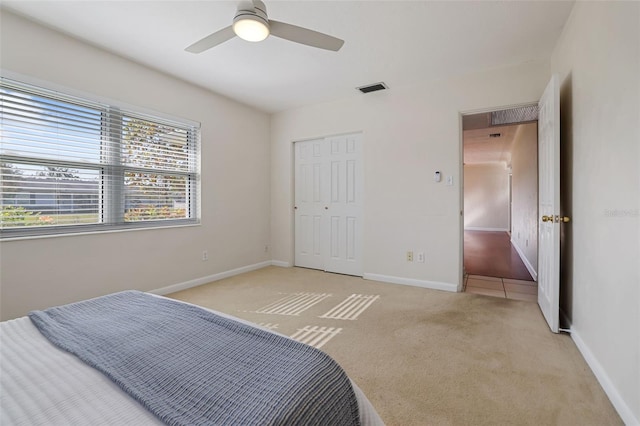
column 251, row 22
column 254, row 10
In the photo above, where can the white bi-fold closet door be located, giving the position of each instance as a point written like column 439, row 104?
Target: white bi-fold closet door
column 328, row 204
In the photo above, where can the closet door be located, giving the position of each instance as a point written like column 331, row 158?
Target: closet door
column 328, row 204
column 310, row 200
column 343, row 240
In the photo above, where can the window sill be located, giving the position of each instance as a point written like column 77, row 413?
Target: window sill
column 4, row 239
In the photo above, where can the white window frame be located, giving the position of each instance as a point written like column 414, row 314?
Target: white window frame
column 111, row 205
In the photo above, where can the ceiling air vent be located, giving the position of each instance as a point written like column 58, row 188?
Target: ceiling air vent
column 372, row 87
column 514, row 115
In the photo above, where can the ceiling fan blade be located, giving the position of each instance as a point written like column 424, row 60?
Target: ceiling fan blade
column 304, row 36
column 212, row 40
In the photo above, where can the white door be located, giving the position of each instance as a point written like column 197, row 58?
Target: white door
column 310, row 200
column 344, row 207
column 328, row 204
column 549, row 203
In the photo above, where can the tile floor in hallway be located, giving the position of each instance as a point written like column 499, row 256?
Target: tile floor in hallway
column 501, row 287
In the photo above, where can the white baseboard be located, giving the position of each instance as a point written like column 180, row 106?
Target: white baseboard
column 281, row 263
column 624, row 411
column 526, row 262
column 210, row 278
column 434, row 285
column 475, row 228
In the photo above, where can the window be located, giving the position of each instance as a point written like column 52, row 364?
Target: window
column 74, row 165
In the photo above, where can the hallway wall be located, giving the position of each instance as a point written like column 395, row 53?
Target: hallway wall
column 486, row 197
column 524, row 207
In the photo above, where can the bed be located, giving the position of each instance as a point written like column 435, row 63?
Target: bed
column 137, row 358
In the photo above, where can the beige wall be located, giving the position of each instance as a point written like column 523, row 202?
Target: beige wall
column 42, row 272
column 524, row 198
column 486, row 197
column 408, row 134
column 598, row 61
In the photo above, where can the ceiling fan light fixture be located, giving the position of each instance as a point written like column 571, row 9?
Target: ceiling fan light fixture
column 252, row 24
column 250, row 27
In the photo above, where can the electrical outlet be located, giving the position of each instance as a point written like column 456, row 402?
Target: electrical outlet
column 205, row 255
column 409, row 256
column 421, row 257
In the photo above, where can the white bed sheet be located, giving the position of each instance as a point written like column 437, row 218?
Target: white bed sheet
column 41, row 384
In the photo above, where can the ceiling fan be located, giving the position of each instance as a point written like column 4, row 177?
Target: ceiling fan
column 251, row 23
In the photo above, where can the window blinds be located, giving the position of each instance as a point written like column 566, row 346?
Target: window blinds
column 70, row 162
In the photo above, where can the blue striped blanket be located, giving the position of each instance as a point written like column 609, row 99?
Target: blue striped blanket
column 190, row 366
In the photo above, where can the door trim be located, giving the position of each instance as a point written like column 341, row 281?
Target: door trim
column 461, row 114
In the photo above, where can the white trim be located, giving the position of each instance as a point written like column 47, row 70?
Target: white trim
column 434, row 285
column 624, row 411
column 280, row 263
column 209, row 278
column 104, row 231
column 475, row 228
column 524, row 259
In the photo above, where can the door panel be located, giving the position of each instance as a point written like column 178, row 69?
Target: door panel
column 309, row 204
column 345, row 207
column 549, row 204
column 335, row 181
column 334, row 252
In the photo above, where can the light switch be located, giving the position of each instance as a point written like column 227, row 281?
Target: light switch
column 449, row 180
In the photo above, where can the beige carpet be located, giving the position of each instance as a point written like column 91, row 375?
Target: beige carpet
column 424, row 357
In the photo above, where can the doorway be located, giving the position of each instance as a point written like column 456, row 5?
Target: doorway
column 500, row 196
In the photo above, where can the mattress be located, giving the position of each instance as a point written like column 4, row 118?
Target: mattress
column 41, row 384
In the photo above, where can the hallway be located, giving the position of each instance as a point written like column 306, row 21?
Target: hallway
column 494, row 268
column 491, row 254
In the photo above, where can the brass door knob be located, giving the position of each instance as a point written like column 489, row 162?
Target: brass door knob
column 566, row 219
column 547, row 218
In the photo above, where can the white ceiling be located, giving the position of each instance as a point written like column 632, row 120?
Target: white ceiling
column 398, row 42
